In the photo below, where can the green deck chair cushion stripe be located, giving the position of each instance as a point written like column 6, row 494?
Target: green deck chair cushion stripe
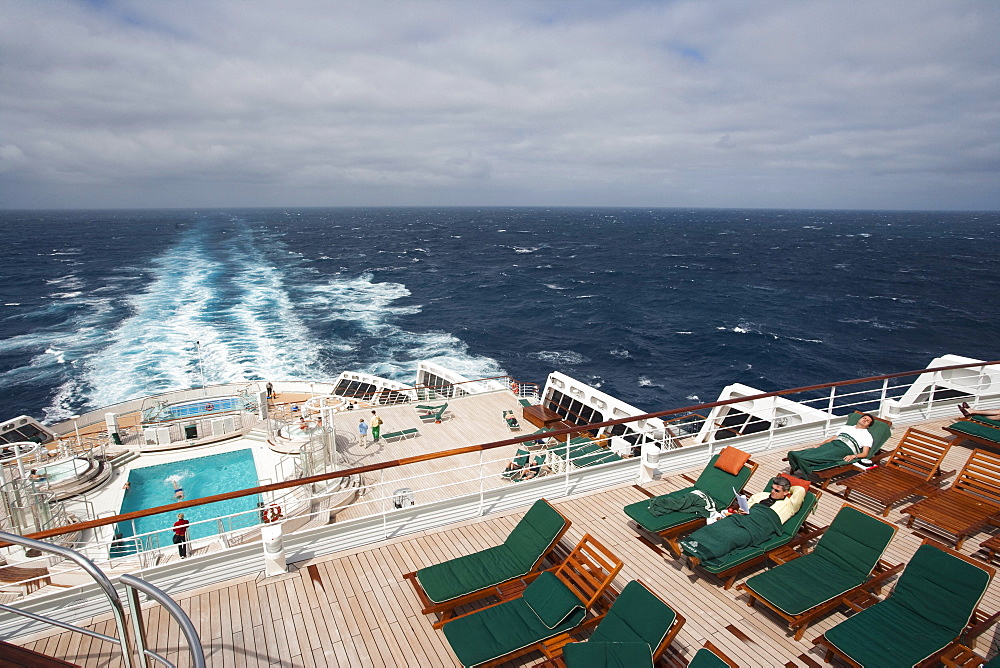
column 637, row 615
column 533, row 536
column 499, row 630
column 788, row 531
column 550, row 599
column 843, row 558
column 716, row 483
column 976, row 429
column 706, row 658
column 928, row 609
column 592, row 654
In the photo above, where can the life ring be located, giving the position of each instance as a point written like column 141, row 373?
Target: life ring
column 514, row 387
column 209, row 407
column 273, row 513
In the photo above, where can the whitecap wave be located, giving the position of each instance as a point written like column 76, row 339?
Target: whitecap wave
column 567, row 357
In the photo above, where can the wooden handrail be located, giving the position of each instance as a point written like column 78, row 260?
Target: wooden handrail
column 181, row 505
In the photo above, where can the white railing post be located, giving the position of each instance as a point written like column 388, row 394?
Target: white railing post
column 829, row 409
column 482, row 480
column 881, row 401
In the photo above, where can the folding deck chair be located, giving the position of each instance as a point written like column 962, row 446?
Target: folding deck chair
column 914, row 463
column 932, row 609
column 713, row 481
column 443, row 587
column 846, row 560
column 729, row 567
column 880, row 430
column 554, row 603
column 972, row 501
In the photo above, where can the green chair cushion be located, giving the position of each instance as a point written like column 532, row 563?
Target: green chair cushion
column 843, row 558
column 637, row 615
column 928, row 609
column 592, row 654
column 530, row 539
column 550, row 599
column 706, row 658
column 715, row 482
column 499, row 630
column 985, row 420
column 976, row 429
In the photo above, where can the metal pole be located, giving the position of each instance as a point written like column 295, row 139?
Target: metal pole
column 76, row 428
column 201, row 367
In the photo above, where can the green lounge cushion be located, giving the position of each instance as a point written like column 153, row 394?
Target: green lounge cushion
column 706, row 658
column 550, row 599
column 592, row 654
column 716, row 483
column 501, row 629
column 533, row 536
column 843, row 558
column 928, row 609
column 976, row 429
column 637, row 615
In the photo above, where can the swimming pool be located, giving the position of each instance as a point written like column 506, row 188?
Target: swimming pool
column 64, row 470
column 192, row 409
column 153, row 486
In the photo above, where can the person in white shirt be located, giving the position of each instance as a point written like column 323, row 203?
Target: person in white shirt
column 852, row 443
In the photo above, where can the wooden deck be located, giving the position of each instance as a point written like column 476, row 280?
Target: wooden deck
column 353, row 608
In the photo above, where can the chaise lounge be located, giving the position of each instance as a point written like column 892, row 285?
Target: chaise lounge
column 978, row 429
column 932, row 608
column 911, row 468
column 880, row 430
column 443, row 587
column 725, row 472
column 846, row 560
column 555, row 602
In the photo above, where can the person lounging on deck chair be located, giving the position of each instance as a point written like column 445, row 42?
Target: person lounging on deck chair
column 735, row 543
column 674, row 514
column 839, row 566
column 554, row 603
column 511, row 420
column 443, row 587
column 860, row 439
column 517, row 467
column 931, row 609
column 635, row 632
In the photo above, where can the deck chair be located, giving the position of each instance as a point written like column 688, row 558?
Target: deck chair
column 520, row 463
column 552, row 605
column 880, row 430
column 511, row 420
column 971, row 502
column 914, row 463
column 847, row 559
column 433, row 415
column 635, row 631
column 978, row 429
column 932, row 608
column 729, row 567
column 443, row 587
column 713, row 481
column 711, row 656
column 536, row 468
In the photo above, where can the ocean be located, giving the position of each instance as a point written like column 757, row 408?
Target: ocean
column 660, row 307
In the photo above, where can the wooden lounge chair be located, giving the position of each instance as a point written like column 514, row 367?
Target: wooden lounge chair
column 711, row 656
column 971, row 502
column 714, row 482
column 443, row 587
column 846, row 560
column 729, row 567
column 515, row 470
column 635, row 631
column 433, row 415
column 931, row 610
column 880, row 430
column 978, row 429
column 914, row 463
column 553, row 604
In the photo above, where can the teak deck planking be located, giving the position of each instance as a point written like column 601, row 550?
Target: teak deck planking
column 354, row 609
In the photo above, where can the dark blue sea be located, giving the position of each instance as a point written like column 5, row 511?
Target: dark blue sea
column 660, row 307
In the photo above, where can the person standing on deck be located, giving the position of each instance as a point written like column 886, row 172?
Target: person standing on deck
column 270, row 390
column 362, row 432
column 181, row 535
column 376, row 426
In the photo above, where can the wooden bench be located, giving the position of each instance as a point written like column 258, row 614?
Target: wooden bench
column 914, row 463
column 971, row 502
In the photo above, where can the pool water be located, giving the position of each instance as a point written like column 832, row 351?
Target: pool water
column 64, row 470
column 153, row 486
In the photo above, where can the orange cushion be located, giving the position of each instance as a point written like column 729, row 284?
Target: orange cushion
column 731, row 460
column 796, row 482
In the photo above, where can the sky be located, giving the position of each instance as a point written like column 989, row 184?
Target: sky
column 806, row 104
